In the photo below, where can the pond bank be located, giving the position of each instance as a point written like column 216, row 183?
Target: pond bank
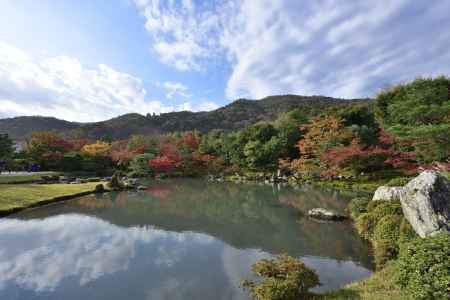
column 15, row 197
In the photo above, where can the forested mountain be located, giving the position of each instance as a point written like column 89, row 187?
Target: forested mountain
column 236, row 115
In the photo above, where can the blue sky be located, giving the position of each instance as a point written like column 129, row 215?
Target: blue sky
column 90, row 60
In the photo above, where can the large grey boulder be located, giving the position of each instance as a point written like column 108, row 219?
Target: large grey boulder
column 426, row 203
column 388, row 193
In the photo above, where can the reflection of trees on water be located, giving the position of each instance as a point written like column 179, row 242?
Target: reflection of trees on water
column 245, row 216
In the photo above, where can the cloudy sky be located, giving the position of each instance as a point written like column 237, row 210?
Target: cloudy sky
column 89, row 60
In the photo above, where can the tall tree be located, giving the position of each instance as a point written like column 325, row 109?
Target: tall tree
column 418, row 114
column 6, row 147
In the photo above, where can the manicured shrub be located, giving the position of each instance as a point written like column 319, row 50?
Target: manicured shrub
column 373, row 204
column 388, row 227
column 384, row 208
column 407, row 233
column 385, row 239
column 376, row 210
column 423, row 267
column 283, row 278
column 399, row 181
column 358, row 206
column 365, row 225
column 383, row 251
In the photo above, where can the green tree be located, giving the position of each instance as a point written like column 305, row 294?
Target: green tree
column 421, row 102
column 289, row 135
column 262, row 156
column 139, row 165
column 418, row 114
column 6, row 146
column 360, row 118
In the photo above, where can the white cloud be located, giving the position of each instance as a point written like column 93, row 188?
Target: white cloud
column 207, row 105
column 175, row 89
column 181, row 31
column 336, row 48
column 62, row 87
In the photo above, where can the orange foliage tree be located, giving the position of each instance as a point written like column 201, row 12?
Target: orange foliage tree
column 320, row 135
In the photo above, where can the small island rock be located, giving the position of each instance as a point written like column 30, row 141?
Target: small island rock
column 325, row 214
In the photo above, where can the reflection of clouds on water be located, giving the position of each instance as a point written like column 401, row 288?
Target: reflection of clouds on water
column 333, row 273
column 39, row 254
column 75, row 256
column 237, row 265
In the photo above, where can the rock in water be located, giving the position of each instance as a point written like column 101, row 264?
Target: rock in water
column 325, row 214
column 388, row 193
column 426, row 203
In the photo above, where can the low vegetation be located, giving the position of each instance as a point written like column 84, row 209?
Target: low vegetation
column 408, row 267
column 423, row 267
column 283, row 278
column 380, row 286
column 11, row 178
column 16, row 197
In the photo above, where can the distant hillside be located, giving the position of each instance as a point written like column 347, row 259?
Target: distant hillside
column 20, row 127
column 236, row 115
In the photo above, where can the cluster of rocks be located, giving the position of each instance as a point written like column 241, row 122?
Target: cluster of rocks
column 271, row 179
column 425, row 202
column 118, row 183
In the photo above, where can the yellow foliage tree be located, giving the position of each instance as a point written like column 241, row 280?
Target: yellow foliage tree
column 99, row 148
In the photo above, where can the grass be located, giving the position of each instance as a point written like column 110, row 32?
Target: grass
column 16, row 197
column 8, row 179
column 380, row 286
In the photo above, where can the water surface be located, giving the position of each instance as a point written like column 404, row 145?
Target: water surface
column 179, row 239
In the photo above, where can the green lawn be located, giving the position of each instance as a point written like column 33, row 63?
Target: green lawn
column 5, row 178
column 379, row 286
column 17, row 196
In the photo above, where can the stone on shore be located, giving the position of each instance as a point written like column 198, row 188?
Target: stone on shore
column 388, row 193
column 426, row 203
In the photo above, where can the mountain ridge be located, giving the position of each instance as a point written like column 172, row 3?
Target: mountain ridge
column 235, row 115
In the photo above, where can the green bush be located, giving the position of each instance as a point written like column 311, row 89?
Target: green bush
column 407, row 233
column 139, row 166
column 284, row 278
column 423, row 267
column 388, row 227
column 358, row 206
column 399, row 181
column 385, row 239
column 384, row 251
column 376, row 210
column 365, row 225
column 373, row 204
column 383, row 208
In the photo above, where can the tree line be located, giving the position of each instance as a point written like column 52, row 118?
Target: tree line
column 406, row 127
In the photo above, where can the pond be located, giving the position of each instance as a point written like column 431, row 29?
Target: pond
column 179, row 239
